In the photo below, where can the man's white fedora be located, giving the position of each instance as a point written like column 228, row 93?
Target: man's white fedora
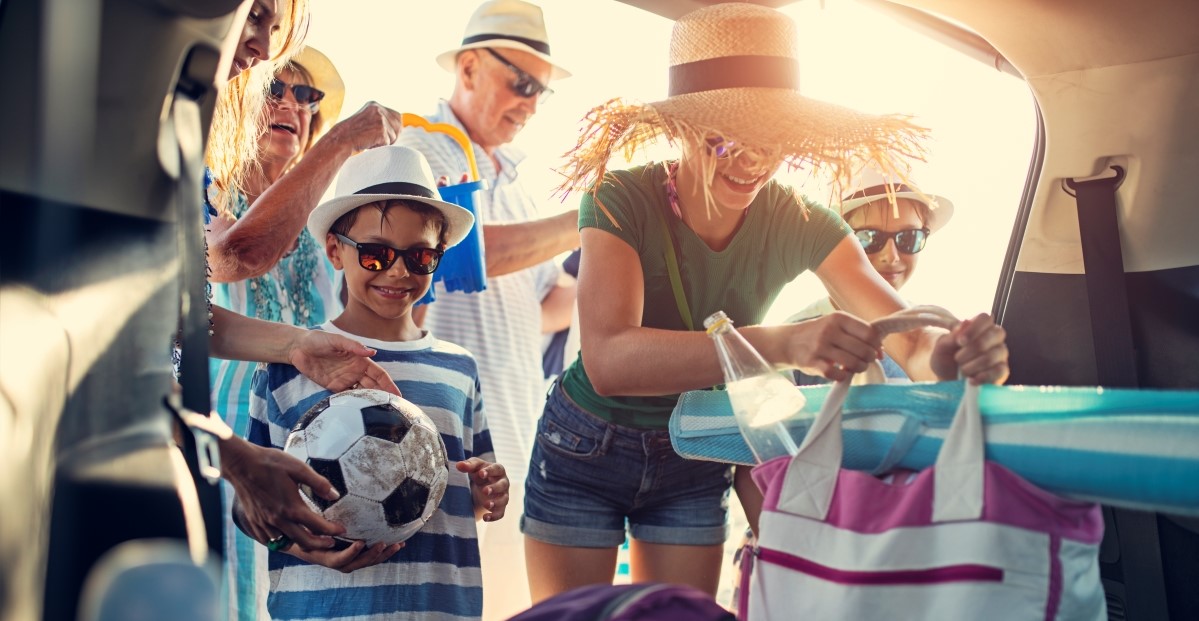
column 512, row 24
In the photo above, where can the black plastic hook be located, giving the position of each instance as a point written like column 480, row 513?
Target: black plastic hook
column 1071, row 184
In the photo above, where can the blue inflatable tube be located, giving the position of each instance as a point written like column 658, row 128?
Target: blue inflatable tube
column 1137, row 449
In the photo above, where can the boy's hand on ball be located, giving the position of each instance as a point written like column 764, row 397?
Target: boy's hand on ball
column 357, row 556
column 488, row 487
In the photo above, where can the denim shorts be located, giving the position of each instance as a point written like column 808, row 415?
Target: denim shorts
column 587, row 476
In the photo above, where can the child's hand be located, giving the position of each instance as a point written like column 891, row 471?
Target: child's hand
column 444, row 181
column 977, row 347
column 357, row 556
column 488, row 487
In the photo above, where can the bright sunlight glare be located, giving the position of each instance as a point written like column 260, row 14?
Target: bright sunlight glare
column 982, row 121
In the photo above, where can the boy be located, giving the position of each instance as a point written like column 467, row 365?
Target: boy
column 386, row 230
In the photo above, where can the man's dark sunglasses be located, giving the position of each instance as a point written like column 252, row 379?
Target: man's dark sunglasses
column 305, row 95
column 380, row 257
column 525, row 85
column 907, row 241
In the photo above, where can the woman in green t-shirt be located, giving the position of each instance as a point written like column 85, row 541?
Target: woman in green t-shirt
column 735, row 236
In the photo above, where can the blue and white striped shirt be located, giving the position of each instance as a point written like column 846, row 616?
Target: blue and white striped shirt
column 436, row 575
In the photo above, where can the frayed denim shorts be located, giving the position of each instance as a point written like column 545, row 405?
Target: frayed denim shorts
column 588, row 476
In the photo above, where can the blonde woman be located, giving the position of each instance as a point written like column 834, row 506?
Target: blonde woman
column 669, row 243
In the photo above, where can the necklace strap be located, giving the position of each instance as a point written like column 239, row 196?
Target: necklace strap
column 671, row 254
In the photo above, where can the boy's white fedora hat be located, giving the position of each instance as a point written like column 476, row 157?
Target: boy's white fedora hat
column 512, row 24
column 387, row 173
column 870, row 185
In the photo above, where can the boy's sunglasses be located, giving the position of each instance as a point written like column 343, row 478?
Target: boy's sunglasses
column 380, row 257
column 524, row 85
column 907, row 241
column 307, row 96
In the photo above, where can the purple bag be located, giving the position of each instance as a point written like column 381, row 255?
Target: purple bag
column 628, row 602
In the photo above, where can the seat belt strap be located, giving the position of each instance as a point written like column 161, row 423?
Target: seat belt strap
column 200, row 448
column 1107, row 293
column 1115, row 363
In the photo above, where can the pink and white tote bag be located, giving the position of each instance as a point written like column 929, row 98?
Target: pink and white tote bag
column 964, row 539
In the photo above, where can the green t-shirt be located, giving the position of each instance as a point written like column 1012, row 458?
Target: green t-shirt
column 776, row 242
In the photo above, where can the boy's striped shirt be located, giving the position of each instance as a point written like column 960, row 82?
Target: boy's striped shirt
column 436, row 575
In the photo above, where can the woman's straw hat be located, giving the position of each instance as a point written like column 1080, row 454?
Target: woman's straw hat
column 734, row 73
column 326, row 78
column 871, row 185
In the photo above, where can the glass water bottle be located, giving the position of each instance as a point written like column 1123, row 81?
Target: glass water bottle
column 762, row 398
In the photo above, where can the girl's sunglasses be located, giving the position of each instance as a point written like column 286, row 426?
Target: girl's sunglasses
column 380, row 257
column 307, row 96
column 524, row 85
column 907, row 241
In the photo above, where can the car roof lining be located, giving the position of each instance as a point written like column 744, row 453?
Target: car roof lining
column 1028, row 32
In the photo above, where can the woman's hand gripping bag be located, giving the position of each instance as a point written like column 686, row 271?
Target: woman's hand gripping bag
column 963, row 539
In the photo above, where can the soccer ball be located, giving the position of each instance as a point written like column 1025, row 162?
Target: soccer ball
column 384, row 456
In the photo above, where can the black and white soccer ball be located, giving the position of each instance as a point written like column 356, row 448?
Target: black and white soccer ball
column 384, row 456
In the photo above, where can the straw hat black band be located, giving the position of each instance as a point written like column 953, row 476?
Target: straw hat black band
column 398, row 187
column 734, row 72
column 880, row 190
column 540, row 46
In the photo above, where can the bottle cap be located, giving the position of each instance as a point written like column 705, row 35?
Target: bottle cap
column 715, row 320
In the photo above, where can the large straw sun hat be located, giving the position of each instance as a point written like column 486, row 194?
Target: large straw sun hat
column 734, row 73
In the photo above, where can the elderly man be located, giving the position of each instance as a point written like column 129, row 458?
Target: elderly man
column 502, row 69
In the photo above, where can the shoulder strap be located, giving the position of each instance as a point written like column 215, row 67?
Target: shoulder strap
column 672, row 267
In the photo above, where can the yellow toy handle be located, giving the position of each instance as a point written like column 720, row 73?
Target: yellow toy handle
column 407, row 119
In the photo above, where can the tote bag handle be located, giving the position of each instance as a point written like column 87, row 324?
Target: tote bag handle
column 811, row 477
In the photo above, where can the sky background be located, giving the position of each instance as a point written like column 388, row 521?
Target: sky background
column 983, row 121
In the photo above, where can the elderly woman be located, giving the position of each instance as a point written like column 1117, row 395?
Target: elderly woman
column 304, row 96
column 253, row 227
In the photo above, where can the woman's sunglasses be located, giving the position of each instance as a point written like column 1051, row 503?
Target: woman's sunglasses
column 380, row 257
column 723, row 148
column 307, row 96
column 720, row 147
column 524, row 85
column 907, row 241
